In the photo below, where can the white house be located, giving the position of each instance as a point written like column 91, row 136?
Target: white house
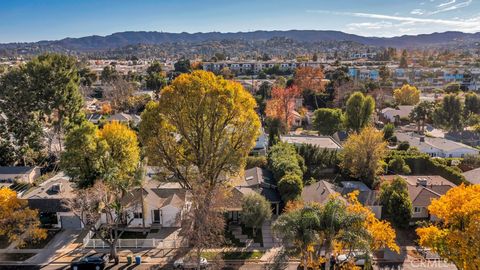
column 163, row 205
column 392, row 114
column 437, row 147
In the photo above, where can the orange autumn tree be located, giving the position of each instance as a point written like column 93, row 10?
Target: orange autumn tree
column 282, row 104
column 18, row 222
column 310, row 78
column 456, row 236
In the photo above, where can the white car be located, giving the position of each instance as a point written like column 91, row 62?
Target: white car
column 359, row 258
column 190, row 263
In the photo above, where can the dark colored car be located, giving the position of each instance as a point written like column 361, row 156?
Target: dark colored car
column 94, row 262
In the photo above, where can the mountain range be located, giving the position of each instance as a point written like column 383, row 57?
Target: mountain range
column 129, row 38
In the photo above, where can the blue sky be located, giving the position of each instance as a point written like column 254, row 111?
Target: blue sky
column 33, row 20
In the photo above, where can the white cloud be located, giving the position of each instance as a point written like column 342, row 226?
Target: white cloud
column 466, row 25
column 451, row 5
column 417, row 12
column 447, row 3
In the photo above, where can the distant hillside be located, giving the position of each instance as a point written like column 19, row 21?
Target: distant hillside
column 124, row 39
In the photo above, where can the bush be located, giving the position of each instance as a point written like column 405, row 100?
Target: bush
column 421, row 163
column 290, row 187
column 388, row 130
column 260, row 161
column 283, row 159
column 403, row 146
column 398, row 165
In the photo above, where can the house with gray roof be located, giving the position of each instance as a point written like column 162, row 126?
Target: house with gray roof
column 473, row 176
column 125, row 118
column 395, row 114
column 49, row 199
column 437, row 147
column 21, row 174
column 422, row 189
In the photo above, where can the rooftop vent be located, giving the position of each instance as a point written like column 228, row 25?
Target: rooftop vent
column 56, row 188
column 422, row 182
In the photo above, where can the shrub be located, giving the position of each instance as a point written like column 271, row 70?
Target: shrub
column 260, row 161
column 398, row 165
column 403, row 146
column 290, row 186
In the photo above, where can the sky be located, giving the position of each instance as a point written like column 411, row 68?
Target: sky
column 34, row 20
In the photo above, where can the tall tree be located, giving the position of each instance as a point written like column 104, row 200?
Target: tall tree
column 110, row 159
column 155, row 77
column 328, row 121
column 41, row 99
column 282, row 104
column 397, row 206
column 456, row 236
column 422, row 113
column 449, row 114
column 472, row 104
column 310, row 79
column 109, row 74
column 404, row 59
column 200, row 131
column 18, row 222
column 359, row 111
column 182, row 66
column 406, row 95
column 362, row 155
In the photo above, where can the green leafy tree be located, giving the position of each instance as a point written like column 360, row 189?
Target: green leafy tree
column 317, row 160
column 453, row 87
column 362, row 155
column 328, row 121
column 472, row 105
column 275, row 128
column 397, row 165
column 449, row 114
column 255, row 210
column 388, row 131
column 290, row 186
column 155, row 77
column 182, row 66
column 396, row 203
column 299, row 228
column 40, row 96
column 421, row 114
column 359, row 111
column 109, row 74
column 283, row 159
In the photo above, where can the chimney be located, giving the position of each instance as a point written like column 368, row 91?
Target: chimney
column 422, row 138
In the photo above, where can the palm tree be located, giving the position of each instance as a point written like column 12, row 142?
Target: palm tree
column 299, row 229
column 420, row 114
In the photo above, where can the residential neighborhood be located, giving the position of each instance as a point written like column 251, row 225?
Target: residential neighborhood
column 246, row 149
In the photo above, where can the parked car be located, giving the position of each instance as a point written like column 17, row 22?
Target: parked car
column 358, row 257
column 190, row 263
column 94, row 262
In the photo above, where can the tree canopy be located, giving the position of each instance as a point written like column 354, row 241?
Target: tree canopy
column 359, row 111
column 406, row 95
column 397, row 206
column 328, row 121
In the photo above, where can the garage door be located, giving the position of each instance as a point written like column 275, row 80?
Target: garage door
column 70, row 222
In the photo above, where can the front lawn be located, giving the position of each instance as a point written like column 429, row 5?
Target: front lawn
column 234, row 255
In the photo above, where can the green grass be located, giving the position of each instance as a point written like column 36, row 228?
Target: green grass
column 15, row 257
column 247, row 255
column 39, row 244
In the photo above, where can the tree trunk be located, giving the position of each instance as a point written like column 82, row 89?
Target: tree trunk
column 328, row 254
column 199, row 258
column 113, row 252
column 254, row 231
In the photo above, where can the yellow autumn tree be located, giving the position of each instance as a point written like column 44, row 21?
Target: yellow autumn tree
column 407, row 95
column 456, row 236
column 382, row 233
column 363, row 154
column 18, row 222
column 200, row 132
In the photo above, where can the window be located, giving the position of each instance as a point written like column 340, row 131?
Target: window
column 138, row 215
column 417, row 209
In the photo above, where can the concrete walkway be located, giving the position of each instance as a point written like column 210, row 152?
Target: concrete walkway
column 61, row 243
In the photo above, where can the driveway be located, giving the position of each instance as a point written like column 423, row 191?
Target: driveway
column 61, row 243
